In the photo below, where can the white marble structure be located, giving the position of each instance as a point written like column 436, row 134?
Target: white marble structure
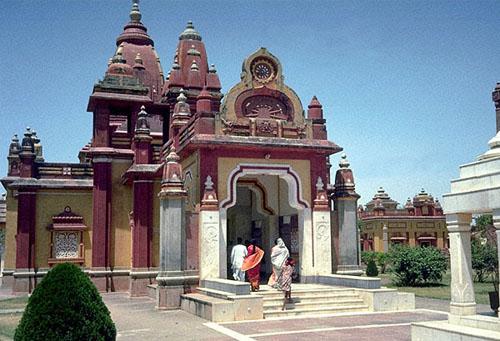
column 476, row 191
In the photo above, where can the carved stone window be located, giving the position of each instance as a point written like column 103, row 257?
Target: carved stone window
column 66, row 240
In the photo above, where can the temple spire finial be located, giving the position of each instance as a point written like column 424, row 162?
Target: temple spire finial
column 190, row 32
column 135, row 13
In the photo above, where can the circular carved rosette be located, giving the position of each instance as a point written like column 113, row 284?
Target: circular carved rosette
column 263, row 70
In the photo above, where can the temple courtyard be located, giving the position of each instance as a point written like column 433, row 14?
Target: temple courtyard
column 137, row 319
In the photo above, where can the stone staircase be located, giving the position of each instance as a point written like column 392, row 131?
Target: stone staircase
column 311, row 299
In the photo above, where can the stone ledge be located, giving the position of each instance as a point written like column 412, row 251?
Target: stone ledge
column 349, row 281
column 443, row 330
column 226, row 285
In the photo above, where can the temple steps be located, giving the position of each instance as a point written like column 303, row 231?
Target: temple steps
column 311, row 301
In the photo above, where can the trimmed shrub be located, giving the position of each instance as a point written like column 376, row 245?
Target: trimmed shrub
column 66, row 306
column 413, row 266
column 371, row 269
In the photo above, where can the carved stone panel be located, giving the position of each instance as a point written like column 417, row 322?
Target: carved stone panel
column 66, row 244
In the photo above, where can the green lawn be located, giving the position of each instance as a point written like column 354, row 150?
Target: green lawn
column 441, row 290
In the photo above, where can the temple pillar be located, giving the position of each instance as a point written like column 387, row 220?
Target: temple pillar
column 210, row 241
column 141, row 218
column 172, row 276
column 24, row 276
column 141, row 237
column 345, row 199
column 462, row 289
column 101, row 234
column 322, row 231
column 385, row 237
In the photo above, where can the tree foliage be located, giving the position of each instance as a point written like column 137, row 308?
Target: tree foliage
column 414, row 266
column 65, row 306
column 367, row 256
column 484, row 259
column 483, row 222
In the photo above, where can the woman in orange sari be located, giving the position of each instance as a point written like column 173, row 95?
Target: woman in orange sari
column 251, row 264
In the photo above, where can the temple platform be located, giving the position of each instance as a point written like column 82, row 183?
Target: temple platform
column 221, row 300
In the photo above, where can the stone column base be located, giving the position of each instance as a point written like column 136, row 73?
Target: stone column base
column 461, row 309
column 169, row 297
column 139, row 281
column 351, row 270
column 23, row 285
column 101, row 279
column 171, row 285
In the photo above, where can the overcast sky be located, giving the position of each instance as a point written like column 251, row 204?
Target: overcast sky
column 405, row 85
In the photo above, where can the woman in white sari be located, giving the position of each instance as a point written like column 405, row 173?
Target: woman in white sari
column 279, row 254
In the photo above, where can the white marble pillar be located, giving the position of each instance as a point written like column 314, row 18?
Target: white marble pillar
column 305, row 244
column 462, row 289
column 209, row 244
column 496, row 223
column 322, row 242
column 212, row 225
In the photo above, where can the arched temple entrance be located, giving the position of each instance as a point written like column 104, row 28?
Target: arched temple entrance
column 262, row 212
column 243, row 179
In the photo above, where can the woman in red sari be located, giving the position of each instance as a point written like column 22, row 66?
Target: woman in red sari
column 251, row 264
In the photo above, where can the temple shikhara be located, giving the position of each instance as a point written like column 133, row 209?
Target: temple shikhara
column 175, row 172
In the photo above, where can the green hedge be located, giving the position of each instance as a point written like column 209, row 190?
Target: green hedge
column 66, row 306
column 414, row 266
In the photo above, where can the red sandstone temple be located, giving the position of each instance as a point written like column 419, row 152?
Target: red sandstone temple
column 175, row 172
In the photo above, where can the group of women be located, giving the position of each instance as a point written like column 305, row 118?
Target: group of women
column 283, row 266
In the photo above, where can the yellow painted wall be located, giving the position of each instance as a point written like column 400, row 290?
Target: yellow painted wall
column 121, row 205
column 10, row 232
column 413, row 228
column 52, row 202
column 226, row 166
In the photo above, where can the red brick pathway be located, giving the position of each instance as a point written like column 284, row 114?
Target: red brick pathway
column 378, row 326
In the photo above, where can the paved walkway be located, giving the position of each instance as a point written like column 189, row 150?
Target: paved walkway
column 368, row 326
column 137, row 319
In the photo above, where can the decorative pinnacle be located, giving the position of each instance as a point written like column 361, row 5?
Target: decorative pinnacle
column 344, row 163
column 15, row 138
column 135, row 13
column 175, row 66
column 172, row 156
column 33, row 135
column 182, row 97
column 319, row 184
column 212, row 69
column 190, row 32
column 209, row 184
column 28, row 132
column 143, row 112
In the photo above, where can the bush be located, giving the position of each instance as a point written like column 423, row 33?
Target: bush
column 413, row 266
column 367, row 256
column 383, row 261
column 65, row 306
column 371, row 269
column 484, row 259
